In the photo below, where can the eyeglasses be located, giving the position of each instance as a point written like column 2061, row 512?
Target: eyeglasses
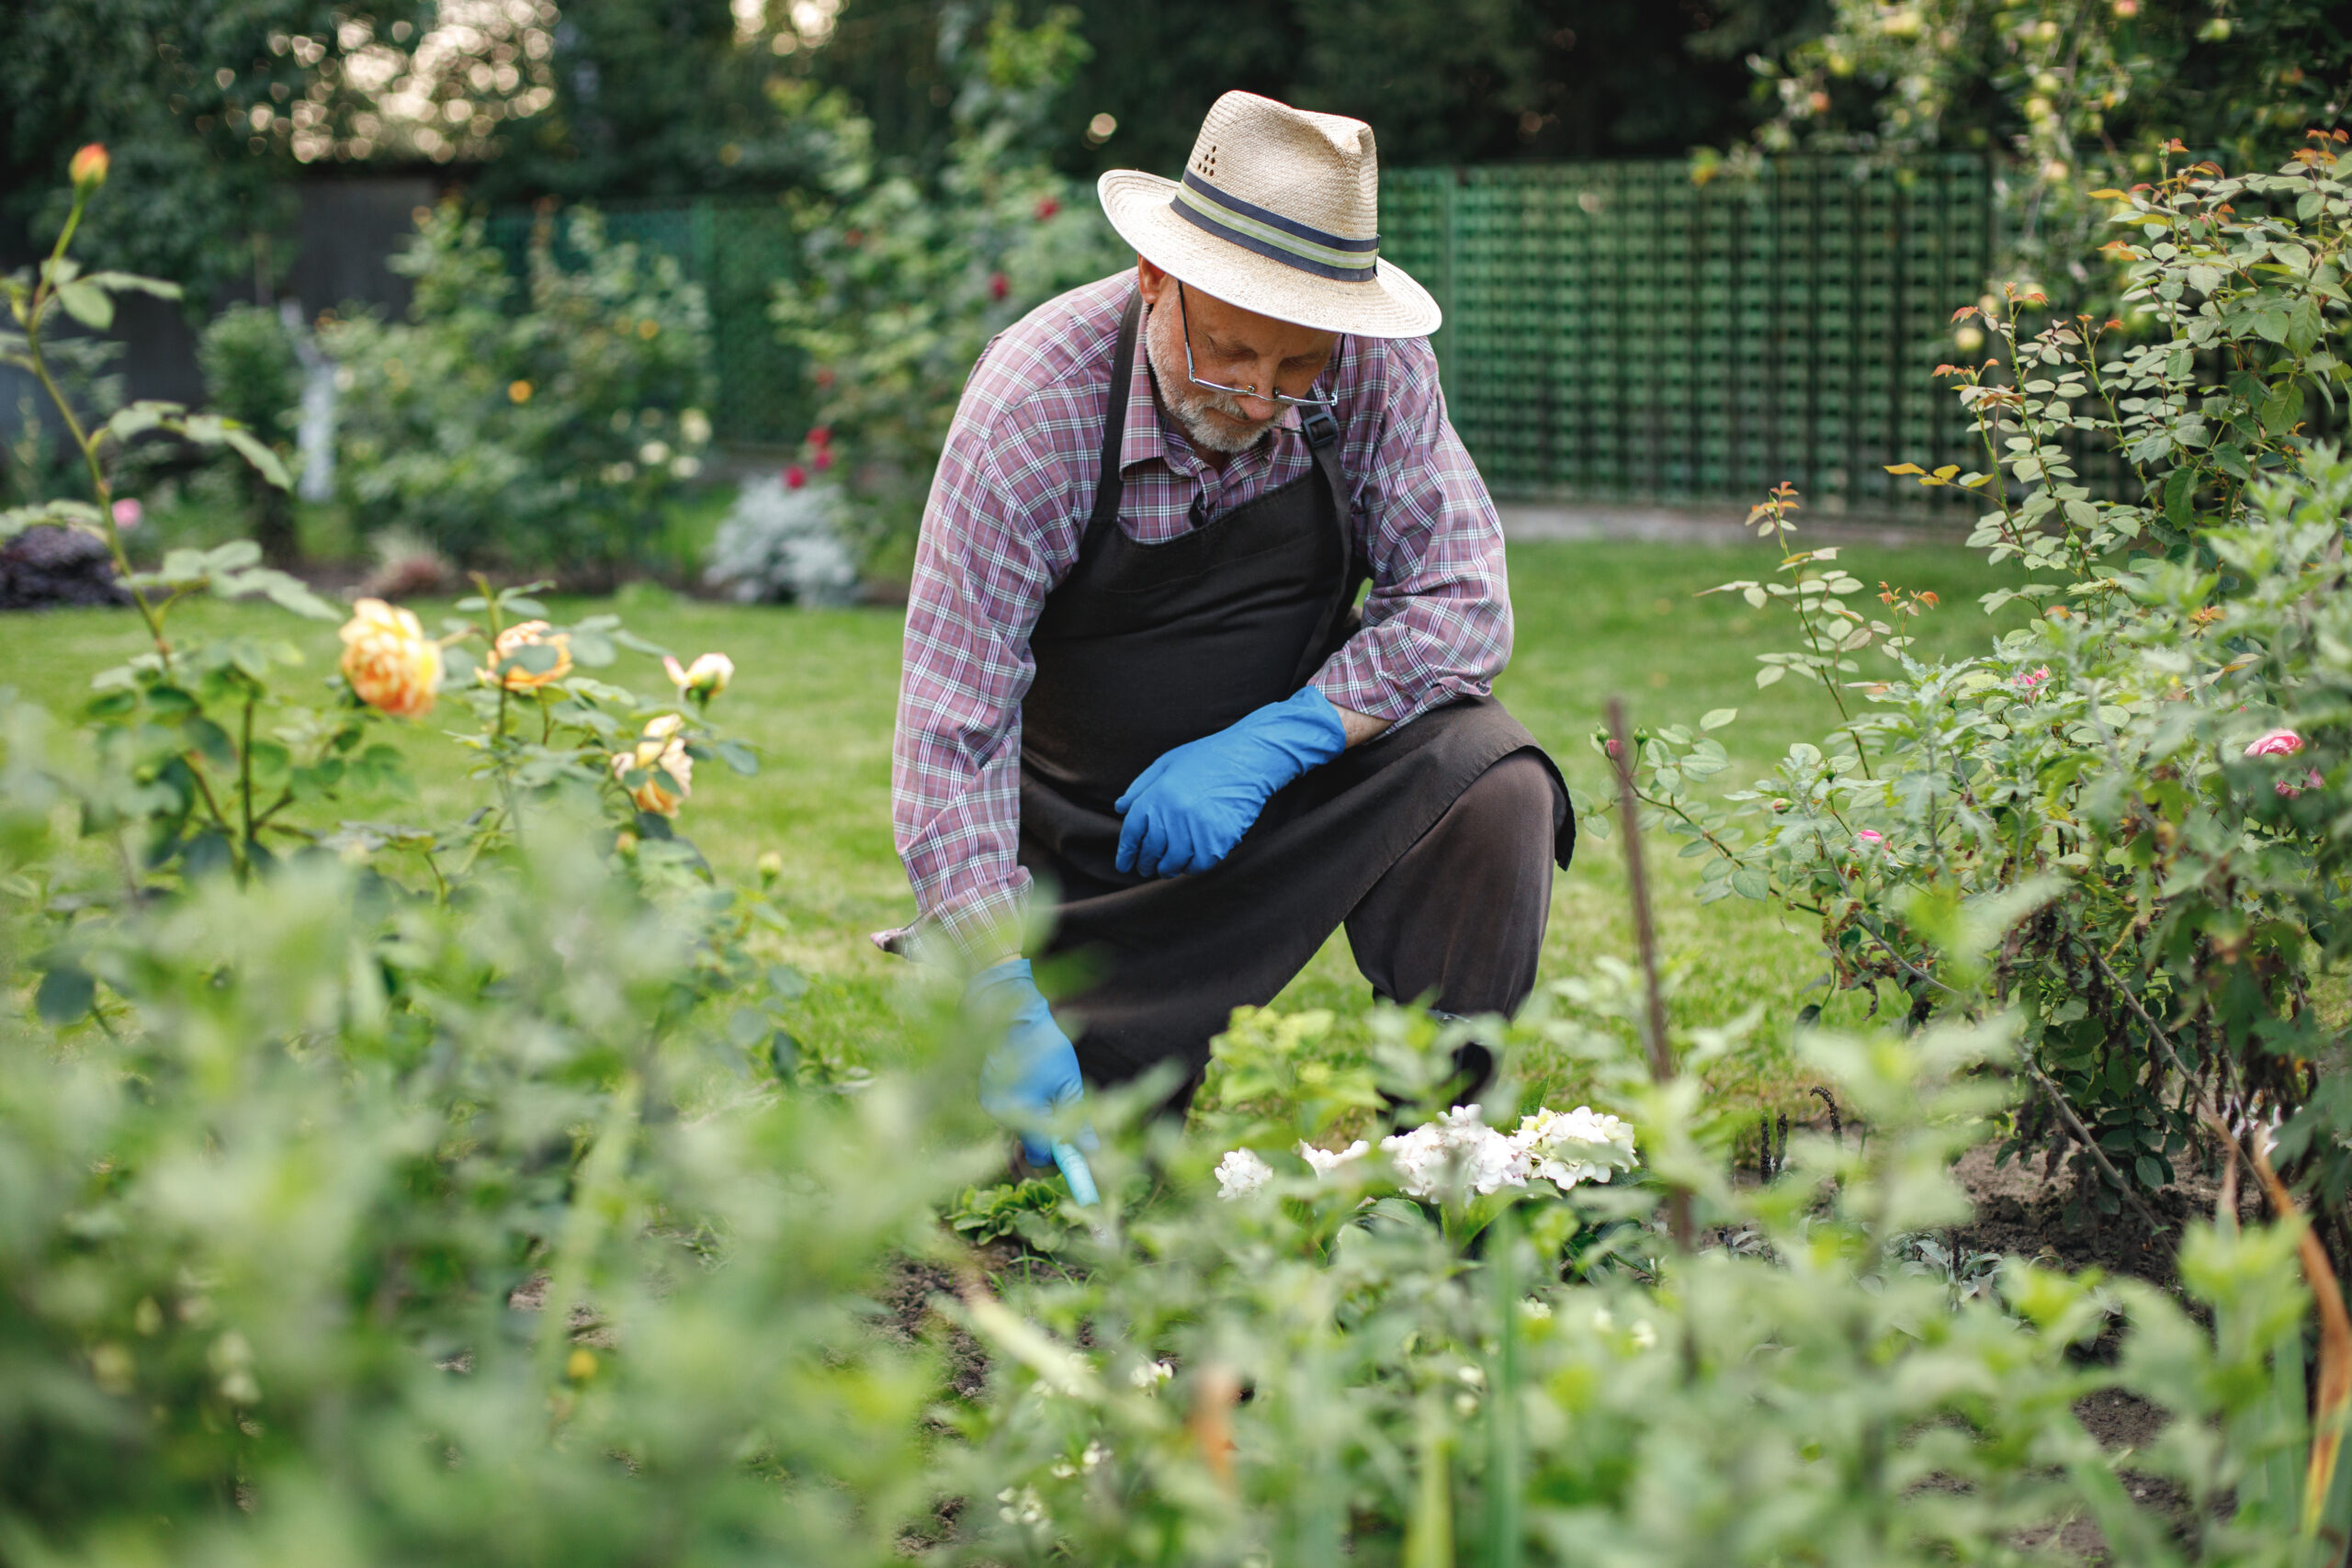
column 1185, row 319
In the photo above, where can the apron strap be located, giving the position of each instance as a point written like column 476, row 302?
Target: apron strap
column 1322, row 432
column 1110, row 485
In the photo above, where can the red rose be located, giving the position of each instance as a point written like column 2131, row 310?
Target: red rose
column 823, row 459
column 1047, row 207
column 795, row 477
column 821, row 436
column 998, row 286
column 824, row 374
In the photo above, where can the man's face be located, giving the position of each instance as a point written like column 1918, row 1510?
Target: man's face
column 1236, row 347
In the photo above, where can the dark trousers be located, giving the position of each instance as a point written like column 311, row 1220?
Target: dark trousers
column 1460, row 916
column 1458, row 919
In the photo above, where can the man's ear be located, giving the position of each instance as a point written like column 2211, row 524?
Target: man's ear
column 1150, row 281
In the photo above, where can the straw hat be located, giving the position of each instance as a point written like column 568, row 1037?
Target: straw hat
column 1278, row 212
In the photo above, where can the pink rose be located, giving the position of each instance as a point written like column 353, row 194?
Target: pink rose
column 795, row 477
column 2028, row 683
column 998, row 285
column 2311, row 781
column 823, row 459
column 127, row 512
column 1871, row 836
column 2275, row 743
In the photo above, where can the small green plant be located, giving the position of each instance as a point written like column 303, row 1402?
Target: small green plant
column 1029, row 1211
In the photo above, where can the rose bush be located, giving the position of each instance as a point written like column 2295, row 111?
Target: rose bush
column 2151, row 777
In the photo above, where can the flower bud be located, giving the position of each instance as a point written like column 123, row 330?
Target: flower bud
column 88, row 169
column 704, row 678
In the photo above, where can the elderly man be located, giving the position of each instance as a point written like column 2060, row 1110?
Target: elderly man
column 1137, row 674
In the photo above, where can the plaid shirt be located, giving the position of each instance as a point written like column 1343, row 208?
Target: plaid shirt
column 1009, row 505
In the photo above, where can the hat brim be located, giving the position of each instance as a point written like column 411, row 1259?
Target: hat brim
column 1390, row 305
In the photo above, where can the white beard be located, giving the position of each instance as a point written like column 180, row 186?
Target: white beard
column 1192, row 404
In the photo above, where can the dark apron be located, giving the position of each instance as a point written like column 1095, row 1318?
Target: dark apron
column 1142, row 648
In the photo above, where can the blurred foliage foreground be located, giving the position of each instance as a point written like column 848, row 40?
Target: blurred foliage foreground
column 380, row 1191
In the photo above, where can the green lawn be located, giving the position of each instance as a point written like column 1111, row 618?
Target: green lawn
column 815, row 692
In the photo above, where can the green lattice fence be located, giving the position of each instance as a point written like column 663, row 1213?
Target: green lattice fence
column 1613, row 332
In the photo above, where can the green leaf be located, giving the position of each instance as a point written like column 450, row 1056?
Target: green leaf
column 2179, row 486
column 1769, row 674
column 1750, row 882
column 2151, row 1174
column 290, row 592
column 1715, row 719
column 130, row 282
column 271, row 467
column 88, row 305
column 66, row 993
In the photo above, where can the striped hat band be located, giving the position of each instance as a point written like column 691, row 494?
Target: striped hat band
column 1273, row 236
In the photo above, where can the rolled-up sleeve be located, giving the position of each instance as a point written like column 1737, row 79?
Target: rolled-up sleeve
column 1437, row 625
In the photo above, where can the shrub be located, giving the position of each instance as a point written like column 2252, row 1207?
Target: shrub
column 909, row 273
column 783, row 543
column 531, row 432
column 252, row 375
column 2105, row 768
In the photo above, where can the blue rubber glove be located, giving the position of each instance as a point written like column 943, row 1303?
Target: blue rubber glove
column 1029, row 1079
column 1186, row 811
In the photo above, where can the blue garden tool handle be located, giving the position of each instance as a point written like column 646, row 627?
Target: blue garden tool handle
column 1077, row 1172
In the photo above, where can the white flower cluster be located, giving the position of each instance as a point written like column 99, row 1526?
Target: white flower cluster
column 1583, row 1145
column 1240, row 1173
column 1428, row 1157
column 1562, row 1148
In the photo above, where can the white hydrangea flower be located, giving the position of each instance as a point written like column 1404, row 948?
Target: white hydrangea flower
column 1426, row 1158
column 1325, row 1161
column 1240, row 1173
column 1583, row 1145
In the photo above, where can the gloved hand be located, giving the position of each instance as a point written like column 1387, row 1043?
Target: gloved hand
column 1030, row 1077
column 1186, row 811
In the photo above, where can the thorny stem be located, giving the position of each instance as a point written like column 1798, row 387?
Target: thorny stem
column 2081, row 1134
column 1645, row 938
column 204, row 788
column 246, row 771
column 1812, row 638
column 42, row 291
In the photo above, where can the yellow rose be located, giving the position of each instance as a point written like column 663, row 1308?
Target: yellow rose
column 514, row 640
column 389, row 660
column 669, row 772
column 704, row 678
